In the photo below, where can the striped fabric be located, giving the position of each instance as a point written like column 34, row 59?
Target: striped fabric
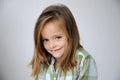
column 85, row 69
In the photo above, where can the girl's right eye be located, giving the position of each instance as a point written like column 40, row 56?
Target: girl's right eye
column 45, row 40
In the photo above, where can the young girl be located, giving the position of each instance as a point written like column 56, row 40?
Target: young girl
column 58, row 53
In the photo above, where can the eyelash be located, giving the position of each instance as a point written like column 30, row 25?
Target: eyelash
column 58, row 37
column 45, row 40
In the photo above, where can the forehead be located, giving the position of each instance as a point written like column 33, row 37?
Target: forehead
column 53, row 27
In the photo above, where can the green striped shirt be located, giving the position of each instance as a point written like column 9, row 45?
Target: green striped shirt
column 84, row 70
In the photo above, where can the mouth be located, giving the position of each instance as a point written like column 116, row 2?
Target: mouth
column 55, row 50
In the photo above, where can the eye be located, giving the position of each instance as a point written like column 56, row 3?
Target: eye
column 45, row 40
column 58, row 37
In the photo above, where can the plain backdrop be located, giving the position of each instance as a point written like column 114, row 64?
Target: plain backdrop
column 99, row 26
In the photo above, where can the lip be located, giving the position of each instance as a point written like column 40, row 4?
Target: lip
column 55, row 50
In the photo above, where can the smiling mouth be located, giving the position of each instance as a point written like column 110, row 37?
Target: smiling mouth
column 56, row 50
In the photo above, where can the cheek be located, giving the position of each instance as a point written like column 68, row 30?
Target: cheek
column 45, row 46
column 64, row 43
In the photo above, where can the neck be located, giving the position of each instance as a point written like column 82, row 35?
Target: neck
column 58, row 63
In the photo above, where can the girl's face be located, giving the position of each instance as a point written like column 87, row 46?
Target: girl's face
column 54, row 39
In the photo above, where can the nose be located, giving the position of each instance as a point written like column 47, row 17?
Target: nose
column 52, row 44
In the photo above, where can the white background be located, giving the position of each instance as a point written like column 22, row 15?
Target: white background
column 99, row 26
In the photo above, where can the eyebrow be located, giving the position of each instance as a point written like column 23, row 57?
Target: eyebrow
column 53, row 36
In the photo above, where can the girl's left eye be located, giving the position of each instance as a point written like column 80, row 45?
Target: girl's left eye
column 58, row 37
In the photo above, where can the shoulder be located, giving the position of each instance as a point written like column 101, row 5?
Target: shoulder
column 82, row 52
column 84, row 58
column 87, row 64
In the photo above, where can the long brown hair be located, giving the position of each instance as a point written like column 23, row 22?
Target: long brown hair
column 41, row 56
